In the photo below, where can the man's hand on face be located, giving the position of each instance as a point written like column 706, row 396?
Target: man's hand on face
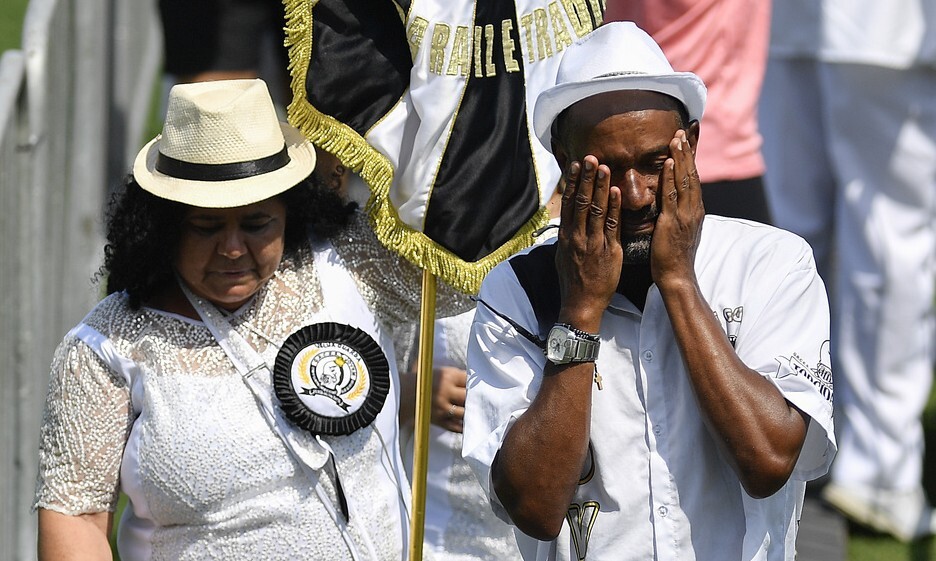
column 589, row 255
column 679, row 225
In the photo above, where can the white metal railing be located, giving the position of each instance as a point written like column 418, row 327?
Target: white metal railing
column 73, row 105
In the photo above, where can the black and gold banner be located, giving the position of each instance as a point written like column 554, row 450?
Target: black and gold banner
column 430, row 103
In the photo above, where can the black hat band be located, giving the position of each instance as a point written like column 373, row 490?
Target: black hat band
column 179, row 169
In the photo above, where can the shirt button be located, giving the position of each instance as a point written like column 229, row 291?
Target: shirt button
column 648, row 355
column 657, row 430
column 662, row 510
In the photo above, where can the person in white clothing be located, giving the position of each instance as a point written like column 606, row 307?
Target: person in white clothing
column 848, row 115
column 655, row 383
column 459, row 524
column 238, row 383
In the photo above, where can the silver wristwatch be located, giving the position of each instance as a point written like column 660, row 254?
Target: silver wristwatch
column 566, row 344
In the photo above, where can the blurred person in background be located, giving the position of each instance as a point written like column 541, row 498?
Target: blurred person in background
column 848, row 115
column 459, row 522
column 225, row 40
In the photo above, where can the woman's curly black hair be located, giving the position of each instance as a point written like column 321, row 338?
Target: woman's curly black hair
column 143, row 233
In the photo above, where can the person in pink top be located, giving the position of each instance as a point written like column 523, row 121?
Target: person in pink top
column 724, row 42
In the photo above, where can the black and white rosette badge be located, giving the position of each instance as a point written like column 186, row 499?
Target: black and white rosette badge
column 331, row 378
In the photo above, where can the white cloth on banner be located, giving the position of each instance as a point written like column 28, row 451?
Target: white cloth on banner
column 432, row 101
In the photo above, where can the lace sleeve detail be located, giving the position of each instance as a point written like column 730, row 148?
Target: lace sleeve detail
column 391, row 285
column 85, row 427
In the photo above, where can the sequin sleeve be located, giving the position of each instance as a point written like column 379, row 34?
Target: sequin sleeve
column 391, row 285
column 85, row 426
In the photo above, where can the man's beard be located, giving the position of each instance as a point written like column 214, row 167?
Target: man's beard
column 636, row 249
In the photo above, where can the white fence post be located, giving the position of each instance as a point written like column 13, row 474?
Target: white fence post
column 14, row 198
column 73, row 105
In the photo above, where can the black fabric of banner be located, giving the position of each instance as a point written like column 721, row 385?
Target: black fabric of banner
column 360, row 62
column 486, row 187
column 488, row 164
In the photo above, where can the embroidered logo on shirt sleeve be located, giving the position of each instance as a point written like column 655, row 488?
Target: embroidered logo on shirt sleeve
column 820, row 376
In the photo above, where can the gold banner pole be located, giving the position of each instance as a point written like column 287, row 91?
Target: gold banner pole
column 423, row 415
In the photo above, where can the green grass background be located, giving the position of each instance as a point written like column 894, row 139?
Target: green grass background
column 862, row 545
column 11, row 23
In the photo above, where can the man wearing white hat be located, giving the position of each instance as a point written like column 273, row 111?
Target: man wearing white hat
column 654, row 384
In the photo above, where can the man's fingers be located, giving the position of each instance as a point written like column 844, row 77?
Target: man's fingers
column 679, row 150
column 612, row 236
column 598, row 209
column 458, row 396
column 577, row 197
column 694, row 188
column 586, row 186
column 668, row 192
column 568, row 194
column 687, row 176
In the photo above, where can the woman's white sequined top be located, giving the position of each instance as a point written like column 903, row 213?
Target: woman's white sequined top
column 146, row 402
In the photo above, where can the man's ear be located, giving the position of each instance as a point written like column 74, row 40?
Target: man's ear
column 692, row 133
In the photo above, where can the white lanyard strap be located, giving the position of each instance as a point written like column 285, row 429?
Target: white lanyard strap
column 312, row 452
column 258, row 377
column 340, row 290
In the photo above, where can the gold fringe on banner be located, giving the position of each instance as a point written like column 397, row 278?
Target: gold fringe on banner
column 376, row 170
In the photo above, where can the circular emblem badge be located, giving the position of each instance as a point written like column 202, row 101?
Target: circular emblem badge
column 331, row 378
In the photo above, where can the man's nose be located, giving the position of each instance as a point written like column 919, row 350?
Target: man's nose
column 636, row 191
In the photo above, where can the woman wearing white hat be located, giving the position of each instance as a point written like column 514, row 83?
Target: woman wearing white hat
column 238, row 383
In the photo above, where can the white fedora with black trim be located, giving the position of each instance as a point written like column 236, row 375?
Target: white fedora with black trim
column 222, row 145
column 616, row 56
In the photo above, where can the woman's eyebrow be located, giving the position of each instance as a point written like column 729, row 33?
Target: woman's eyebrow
column 208, row 217
column 204, row 217
column 257, row 215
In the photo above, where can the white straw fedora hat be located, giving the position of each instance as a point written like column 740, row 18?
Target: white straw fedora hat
column 615, row 56
column 222, row 146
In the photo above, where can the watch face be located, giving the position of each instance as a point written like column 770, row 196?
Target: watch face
column 556, row 344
